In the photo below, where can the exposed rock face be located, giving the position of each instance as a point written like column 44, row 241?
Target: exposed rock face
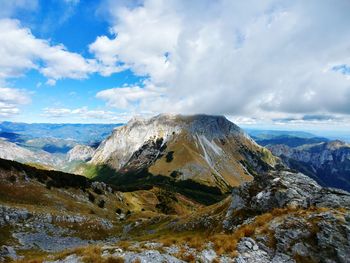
column 207, row 149
column 327, row 162
column 314, row 225
column 284, row 189
column 80, row 153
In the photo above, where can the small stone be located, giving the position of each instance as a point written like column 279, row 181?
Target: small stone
column 248, row 244
column 118, row 250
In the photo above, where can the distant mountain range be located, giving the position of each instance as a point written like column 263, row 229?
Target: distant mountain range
column 49, row 144
column 80, row 133
column 289, row 138
column 327, row 161
column 269, row 134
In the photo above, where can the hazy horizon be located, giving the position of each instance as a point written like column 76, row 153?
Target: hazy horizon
column 330, row 134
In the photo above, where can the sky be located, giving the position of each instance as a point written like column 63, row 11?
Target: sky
column 265, row 64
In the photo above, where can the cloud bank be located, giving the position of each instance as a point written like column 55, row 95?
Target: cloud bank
column 261, row 59
column 84, row 114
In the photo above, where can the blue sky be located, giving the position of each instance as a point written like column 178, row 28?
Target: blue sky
column 272, row 64
column 74, row 24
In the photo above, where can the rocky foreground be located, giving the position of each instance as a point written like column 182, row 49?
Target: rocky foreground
column 279, row 217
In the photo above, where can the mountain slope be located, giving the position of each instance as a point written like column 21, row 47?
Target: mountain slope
column 326, row 162
column 45, row 212
column 209, row 150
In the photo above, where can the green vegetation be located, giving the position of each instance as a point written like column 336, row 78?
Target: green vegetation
column 144, row 180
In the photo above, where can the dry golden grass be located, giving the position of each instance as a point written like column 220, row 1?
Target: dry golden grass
column 25, row 194
column 189, row 257
column 114, row 260
column 186, row 151
column 224, row 244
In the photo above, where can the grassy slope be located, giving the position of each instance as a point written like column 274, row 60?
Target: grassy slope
column 143, row 180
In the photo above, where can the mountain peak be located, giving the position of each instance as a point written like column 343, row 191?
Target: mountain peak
column 207, row 149
column 200, row 124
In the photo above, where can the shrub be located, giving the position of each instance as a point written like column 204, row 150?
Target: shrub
column 118, row 211
column 12, row 179
column 98, row 191
column 91, row 197
column 175, row 174
column 170, row 156
column 49, row 184
column 101, row 203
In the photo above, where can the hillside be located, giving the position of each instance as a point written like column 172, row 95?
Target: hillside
column 279, row 217
column 207, row 150
column 326, row 162
column 48, row 211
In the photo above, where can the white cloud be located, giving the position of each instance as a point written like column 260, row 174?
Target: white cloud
column 129, row 97
column 10, row 101
column 51, row 82
column 84, row 114
column 21, row 51
column 251, row 59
